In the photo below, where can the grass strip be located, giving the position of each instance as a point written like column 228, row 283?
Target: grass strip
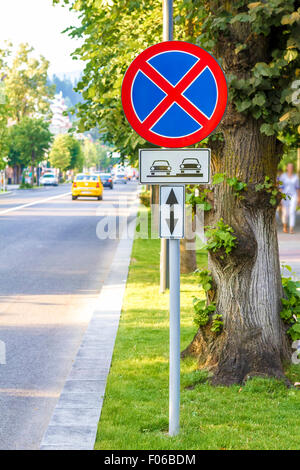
column 263, row 414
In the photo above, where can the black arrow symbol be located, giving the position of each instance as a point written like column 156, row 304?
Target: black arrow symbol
column 171, row 201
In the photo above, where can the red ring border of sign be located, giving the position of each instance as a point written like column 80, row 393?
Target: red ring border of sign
column 197, row 136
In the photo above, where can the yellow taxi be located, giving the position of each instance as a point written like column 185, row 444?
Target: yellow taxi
column 87, row 185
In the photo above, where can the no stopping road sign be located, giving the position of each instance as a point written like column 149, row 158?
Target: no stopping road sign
column 174, row 94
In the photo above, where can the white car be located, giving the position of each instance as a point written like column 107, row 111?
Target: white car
column 120, row 178
column 49, row 179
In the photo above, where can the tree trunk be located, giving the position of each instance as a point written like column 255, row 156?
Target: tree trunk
column 32, row 173
column 247, row 283
column 246, row 288
column 188, row 262
column 32, row 166
column 16, row 174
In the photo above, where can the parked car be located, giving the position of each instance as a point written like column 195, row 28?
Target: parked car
column 107, row 180
column 120, row 178
column 49, row 179
column 87, row 185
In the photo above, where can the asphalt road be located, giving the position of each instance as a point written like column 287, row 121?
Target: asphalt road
column 52, row 266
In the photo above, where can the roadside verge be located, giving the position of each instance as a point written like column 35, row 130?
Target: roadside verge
column 258, row 415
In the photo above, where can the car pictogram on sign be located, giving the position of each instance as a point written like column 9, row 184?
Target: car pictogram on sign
column 180, row 166
column 160, row 168
column 190, row 167
column 174, row 94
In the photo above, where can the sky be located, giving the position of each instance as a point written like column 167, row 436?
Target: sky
column 40, row 24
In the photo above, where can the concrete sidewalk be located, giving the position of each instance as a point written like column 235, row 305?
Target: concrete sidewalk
column 289, row 247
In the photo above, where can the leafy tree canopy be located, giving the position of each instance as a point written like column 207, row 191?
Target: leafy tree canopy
column 26, row 85
column 89, row 153
column 4, row 109
column 72, row 147
column 28, row 141
column 75, row 149
column 115, row 32
column 60, row 155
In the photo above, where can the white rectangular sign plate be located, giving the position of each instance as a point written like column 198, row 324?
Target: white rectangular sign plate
column 179, row 166
column 171, row 201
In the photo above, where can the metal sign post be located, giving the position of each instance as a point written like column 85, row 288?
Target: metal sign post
column 174, row 377
column 172, row 199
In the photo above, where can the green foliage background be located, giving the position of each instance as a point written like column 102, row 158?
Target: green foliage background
column 116, row 32
column 28, row 141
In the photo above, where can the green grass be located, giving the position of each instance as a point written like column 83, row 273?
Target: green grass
column 263, row 414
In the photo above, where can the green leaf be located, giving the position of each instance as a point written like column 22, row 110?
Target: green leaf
column 232, row 181
column 261, row 68
column 290, row 55
column 240, row 18
column 243, row 105
column 257, row 113
column 267, row 129
column 91, row 92
column 239, row 48
column 218, row 178
column 259, row 99
column 290, row 19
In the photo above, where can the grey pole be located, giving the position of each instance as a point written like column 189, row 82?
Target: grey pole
column 174, row 379
column 167, row 265
column 167, row 20
column 174, row 281
column 163, row 265
column 167, row 36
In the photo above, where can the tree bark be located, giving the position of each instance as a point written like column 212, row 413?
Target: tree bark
column 247, row 282
column 247, row 285
column 32, row 167
column 188, row 262
column 32, row 174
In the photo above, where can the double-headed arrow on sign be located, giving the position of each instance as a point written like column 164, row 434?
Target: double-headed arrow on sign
column 171, row 198
column 171, row 201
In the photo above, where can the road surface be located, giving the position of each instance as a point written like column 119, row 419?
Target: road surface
column 52, row 266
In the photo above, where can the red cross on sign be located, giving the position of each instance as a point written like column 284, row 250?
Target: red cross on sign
column 174, row 94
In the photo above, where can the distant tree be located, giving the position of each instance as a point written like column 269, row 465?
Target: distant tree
column 76, row 153
column 29, row 139
column 3, row 138
column 60, row 155
column 4, row 108
column 3, row 126
column 103, row 151
column 89, row 153
column 26, row 85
